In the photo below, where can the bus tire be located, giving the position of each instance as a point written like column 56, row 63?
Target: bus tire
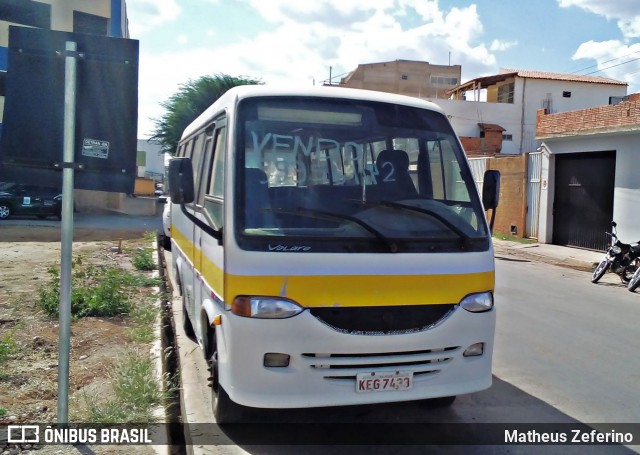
column 224, row 409
column 208, row 336
column 186, row 322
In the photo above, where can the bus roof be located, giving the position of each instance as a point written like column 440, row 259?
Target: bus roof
column 235, row 94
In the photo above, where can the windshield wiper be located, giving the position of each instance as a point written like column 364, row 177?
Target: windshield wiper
column 393, row 247
column 466, row 239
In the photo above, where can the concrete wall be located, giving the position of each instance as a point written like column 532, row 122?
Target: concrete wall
column 583, row 95
column 103, row 202
column 465, row 116
column 405, row 77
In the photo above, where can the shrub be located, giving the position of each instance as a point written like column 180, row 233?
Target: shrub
column 142, row 259
column 95, row 291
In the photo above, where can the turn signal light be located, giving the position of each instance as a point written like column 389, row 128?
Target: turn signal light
column 474, row 350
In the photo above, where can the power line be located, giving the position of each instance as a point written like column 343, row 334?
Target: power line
column 606, row 61
column 612, row 66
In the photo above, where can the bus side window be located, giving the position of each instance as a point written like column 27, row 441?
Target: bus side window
column 214, row 201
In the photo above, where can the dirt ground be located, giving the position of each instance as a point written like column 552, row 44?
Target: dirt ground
column 28, row 386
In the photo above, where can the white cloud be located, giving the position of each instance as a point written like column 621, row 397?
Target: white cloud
column 625, row 12
column 614, row 59
column 147, row 14
column 306, row 39
column 344, row 34
column 497, row 45
column 182, row 39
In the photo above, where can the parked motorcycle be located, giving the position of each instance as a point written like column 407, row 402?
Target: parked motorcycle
column 621, row 259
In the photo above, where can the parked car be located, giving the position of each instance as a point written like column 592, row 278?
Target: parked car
column 166, row 225
column 32, row 200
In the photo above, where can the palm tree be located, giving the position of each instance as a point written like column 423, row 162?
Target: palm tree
column 188, row 103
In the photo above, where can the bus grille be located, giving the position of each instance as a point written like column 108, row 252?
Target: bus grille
column 385, row 320
column 347, row 366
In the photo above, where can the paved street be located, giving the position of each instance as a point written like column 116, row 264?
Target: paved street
column 564, row 354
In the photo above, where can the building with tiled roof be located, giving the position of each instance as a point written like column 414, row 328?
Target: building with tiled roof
column 511, row 99
column 589, row 174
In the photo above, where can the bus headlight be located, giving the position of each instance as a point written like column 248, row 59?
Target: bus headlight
column 265, row 307
column 478, row 303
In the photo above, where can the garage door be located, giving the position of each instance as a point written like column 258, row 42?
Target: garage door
column 583, row 206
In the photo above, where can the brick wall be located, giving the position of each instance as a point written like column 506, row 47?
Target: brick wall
column 603, row 118
column 513, row 193
column 471, row 145
column 488, row 145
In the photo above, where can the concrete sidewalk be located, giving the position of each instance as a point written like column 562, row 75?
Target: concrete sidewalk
column 577, row 258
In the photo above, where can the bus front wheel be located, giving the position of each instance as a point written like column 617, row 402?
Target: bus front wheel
column 224, row 409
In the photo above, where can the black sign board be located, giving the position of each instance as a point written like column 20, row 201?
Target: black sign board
column 31, row 146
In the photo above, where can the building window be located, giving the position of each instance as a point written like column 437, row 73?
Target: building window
column 505, row 93
column 440, row 80
column 89, row 24
column 566, row 94
column 507, row 137
column 405, row 77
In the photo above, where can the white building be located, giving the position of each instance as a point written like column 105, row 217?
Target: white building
column 512, row 98
column 151, row 160
column 589, row 175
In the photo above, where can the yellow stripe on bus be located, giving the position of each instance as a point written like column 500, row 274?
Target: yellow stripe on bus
column 342, row 290
column 363, row 290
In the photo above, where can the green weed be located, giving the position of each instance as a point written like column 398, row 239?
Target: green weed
column 95, row 291
column 142, row 259
column 8, row 347
column 136, row 393
column 143, row 316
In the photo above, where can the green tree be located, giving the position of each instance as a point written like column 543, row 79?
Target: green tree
column 191, row 100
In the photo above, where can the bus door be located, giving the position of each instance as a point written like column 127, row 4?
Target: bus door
column 209, row 257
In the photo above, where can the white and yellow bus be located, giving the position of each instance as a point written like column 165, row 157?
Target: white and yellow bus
column 331, row 249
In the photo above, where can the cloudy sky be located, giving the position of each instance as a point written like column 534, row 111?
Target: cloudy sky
column 304, row 42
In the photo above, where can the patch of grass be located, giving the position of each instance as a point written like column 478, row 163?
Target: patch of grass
column 95, row 291
column 3, row 412
column 150, row 236
column 136, row 393
column 513, row 238
column 142, row 259
column 8, row 347
column 143, row 316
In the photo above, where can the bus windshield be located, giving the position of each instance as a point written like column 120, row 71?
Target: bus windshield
column 341, row 175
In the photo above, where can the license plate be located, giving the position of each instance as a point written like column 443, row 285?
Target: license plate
column 384, row 381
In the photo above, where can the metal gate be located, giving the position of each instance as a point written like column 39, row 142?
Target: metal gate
column 583, row 206
column 478, row 166
column 534, row 171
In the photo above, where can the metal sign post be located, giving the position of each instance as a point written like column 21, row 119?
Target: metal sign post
column 64, row 333
column 80, row 90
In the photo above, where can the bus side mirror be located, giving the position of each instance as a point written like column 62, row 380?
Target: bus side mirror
column 491, row 189
column 181, row 188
